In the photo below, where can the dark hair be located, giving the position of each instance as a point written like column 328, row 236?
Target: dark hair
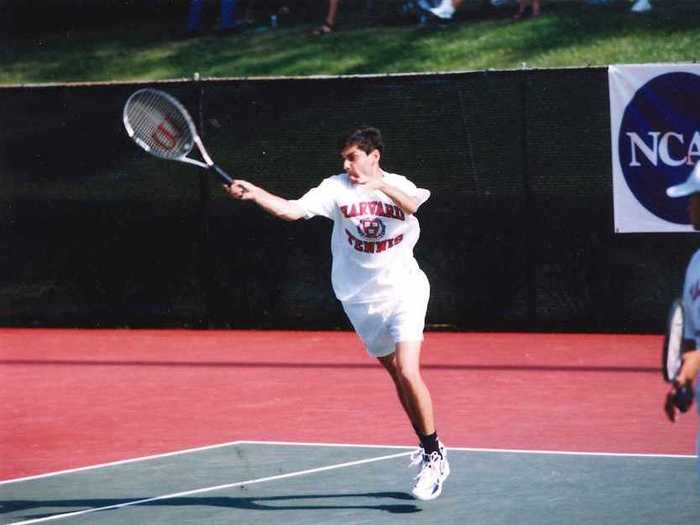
column 365, row 138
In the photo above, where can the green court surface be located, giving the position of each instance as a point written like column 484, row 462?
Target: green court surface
column 286, row 483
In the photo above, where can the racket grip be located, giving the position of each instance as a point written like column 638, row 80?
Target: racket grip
column 222, row 175
column 683, row 398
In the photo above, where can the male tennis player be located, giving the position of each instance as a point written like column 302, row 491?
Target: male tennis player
column 691, row 301
column 375, row 276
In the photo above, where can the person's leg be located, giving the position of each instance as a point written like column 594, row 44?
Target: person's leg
column 332, row 12
column 405, row 325
column 329, row 22
column 403, row 367
column 416, row 393
column 522, row 5
column 228, row 15
column 194, row 16
column 389, row 363
column 418, row 404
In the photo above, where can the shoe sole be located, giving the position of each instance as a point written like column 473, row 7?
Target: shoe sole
column 437, row 493
column 433, row 496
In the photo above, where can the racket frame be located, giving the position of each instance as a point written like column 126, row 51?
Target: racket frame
column 674, row 333
column 208, row 163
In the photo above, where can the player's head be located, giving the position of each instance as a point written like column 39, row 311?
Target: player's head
column 361, row 151
column 366, row 139
column 691, row 189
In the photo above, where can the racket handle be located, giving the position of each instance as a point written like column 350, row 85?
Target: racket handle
column 683, row 398
column 222, row 175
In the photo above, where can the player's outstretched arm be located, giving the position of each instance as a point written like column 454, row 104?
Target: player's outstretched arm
column 274, row 205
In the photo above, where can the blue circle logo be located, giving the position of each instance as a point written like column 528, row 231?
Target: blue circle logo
column 372, row 228
column 659, row 142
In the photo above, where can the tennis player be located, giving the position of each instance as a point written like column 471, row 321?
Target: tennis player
column 691, row 301
column 375, row 276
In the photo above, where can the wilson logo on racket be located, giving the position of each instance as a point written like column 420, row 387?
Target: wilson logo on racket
column 371, row 228
column 167, row 134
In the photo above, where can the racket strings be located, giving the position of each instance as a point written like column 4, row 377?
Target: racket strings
column 158, row 124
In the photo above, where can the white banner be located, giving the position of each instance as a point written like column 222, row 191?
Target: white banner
column 655, row 128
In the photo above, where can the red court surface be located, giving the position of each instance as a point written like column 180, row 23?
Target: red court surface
column 72, row 398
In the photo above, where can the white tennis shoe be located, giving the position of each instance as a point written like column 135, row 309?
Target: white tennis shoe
column 434, row 470
column 444, row 10
column 641, row 6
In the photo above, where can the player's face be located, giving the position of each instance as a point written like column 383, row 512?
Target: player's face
column 694, row 210
column 358, row 164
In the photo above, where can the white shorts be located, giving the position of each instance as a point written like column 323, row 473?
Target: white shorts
column 382, row 324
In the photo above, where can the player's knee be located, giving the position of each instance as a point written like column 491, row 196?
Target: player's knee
column 389, row 363
column 408, row 373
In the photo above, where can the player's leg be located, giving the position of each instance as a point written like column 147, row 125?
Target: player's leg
column 413, row 391
column 405, row 321
column 389, row 363
column 415, row 416
column 393, row 332
column 416, row 397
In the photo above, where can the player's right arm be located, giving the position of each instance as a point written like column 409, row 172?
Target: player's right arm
column 274, row 205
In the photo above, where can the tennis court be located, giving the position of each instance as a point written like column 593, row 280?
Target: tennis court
column 159, row 426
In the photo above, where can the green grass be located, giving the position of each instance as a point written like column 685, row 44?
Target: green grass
column 568, row 35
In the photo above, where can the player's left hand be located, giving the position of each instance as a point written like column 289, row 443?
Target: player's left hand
column 678, row 398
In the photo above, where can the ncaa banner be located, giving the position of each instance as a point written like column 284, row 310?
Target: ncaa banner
column 655, row 127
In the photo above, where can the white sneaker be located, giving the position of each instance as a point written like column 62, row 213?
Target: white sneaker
column 434, row 471
column 641, row 6
column 444, row 10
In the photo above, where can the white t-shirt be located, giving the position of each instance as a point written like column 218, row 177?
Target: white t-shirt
column 373, row 238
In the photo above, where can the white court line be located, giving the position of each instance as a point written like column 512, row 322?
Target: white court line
column 209, row 489
column 347, row 445
column 120, row 462
column 469, row 449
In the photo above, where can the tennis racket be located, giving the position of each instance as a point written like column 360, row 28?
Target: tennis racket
column 161, row 125
column 672, row 360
